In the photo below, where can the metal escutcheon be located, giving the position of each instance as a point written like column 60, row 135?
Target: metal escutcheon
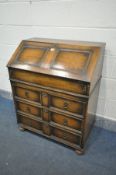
column 65, row 122
column 27, row 94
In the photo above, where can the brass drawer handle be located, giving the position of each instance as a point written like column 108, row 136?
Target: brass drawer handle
column 66, row 104
column 27, row 94
column 65, row 122
column 65, row 136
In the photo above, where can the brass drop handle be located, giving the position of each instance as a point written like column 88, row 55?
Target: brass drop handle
column 66, row 104
column 65, row 136
column 27, row 94
column 65, row 122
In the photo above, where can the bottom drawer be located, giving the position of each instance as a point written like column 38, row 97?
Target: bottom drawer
column 29, row 122
column 73, row 138
column 45, row 128
column 66, row 137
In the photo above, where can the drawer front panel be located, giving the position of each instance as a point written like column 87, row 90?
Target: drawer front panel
column 66, row 121
column 27, row 94
column 50, row 81
column 66, row 136
column 29, row 122
column 29, row 109
column 64, row 104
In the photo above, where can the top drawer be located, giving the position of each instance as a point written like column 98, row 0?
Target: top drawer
column 50, row 81
column 27, row 94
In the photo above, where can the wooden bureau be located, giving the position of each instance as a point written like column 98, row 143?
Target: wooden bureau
column 55, row 85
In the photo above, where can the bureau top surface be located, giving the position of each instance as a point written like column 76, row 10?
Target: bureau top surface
column 70, row 59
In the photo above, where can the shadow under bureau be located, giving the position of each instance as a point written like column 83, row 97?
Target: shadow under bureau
column 55, row 85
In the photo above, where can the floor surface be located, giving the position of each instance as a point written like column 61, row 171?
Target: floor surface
column 24, row 153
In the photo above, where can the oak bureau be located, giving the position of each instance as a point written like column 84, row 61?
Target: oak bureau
column 55, row 85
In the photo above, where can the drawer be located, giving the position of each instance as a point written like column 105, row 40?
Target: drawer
column 50, row 81
column 73, row 138
column 66, row 121
column 29, row 122
column 27, row 94
column 29, row 109
column 68, row 105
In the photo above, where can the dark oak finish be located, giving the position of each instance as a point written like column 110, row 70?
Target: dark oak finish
column 29, row 109
column 67, row 121
column 27, row 94
column 67, row 105
column 55, row 86
column 50, row 81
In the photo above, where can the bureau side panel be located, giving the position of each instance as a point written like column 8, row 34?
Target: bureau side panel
column 97, row 71
column 91, row 112
column 13, row 97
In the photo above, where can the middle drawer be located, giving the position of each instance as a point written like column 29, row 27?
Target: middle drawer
column 76, row 107
column 29, row 109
